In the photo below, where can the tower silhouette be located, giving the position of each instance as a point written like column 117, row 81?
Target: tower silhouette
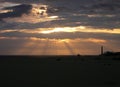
column 102, row 50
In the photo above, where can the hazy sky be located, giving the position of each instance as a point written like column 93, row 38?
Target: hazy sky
column 59, row 27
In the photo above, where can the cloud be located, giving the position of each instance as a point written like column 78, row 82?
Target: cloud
column 70, row 13
column 63, row 35
column 102, row 22
column 17, row 1
column 106, row 7
column 16, row 11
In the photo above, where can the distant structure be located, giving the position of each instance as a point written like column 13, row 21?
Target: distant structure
column 78, row 55
column 102, row 50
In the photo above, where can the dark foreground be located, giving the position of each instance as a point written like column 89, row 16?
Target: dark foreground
column 59, row 71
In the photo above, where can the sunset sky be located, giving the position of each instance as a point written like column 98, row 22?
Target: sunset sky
column 59, row 27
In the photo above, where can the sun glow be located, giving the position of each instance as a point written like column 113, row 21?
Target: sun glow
column 79, row 29
column 52, row 31
column 53, row 17
column 64, row 40
column 64, row 29
column 5, row 11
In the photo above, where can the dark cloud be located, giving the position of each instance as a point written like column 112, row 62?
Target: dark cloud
column 16, row 11
column 106, row 7
column 70, row 21
column 72, row 11
column 18, row 1
column 88, row 5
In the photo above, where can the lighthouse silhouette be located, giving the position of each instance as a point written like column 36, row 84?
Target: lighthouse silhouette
column 102, row 50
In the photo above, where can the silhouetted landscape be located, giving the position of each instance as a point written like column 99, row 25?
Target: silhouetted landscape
column 60, row 71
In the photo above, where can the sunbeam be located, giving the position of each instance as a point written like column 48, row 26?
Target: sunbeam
column 45, row 47
column 70, row 49
column 25, row 49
